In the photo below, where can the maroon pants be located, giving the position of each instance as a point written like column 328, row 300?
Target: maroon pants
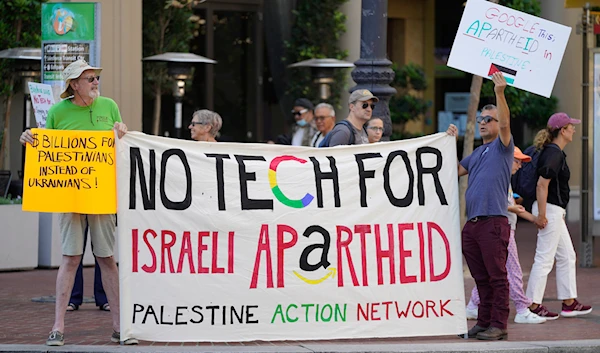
column 485, row 247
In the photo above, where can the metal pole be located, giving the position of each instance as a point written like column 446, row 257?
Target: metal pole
column 178, row 93
column 587, row 245
column 373, row 69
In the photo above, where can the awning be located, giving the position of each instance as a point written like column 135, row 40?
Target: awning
column 581, row 3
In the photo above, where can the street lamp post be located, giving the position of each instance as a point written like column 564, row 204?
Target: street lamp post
column 179, row 67
column 373, row 70
column 26, row 68
column 322, row 72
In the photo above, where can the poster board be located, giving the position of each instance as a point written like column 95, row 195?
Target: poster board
column 528, row 50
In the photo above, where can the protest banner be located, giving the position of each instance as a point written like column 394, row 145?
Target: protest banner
column 42, row 99
column 70, row 171
column 241, row 242
column 528, row 50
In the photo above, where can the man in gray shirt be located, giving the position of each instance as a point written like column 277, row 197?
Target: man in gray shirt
column 361, row 104
column 486, row 234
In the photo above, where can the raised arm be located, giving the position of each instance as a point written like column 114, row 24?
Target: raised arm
column 503, row 111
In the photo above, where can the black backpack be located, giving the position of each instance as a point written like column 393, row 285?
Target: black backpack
column 325, row 142
column 524, row 182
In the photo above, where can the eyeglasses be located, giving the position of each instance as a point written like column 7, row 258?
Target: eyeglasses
column 299, row 112
column 194, row 123
column 375, row 128
column 486, row 118
column 317, row 118
column 518, row 161
column 366, row 105
column 91, row 78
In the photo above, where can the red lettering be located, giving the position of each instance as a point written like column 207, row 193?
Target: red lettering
column 166, row 249
column 422, row 313
column 422, row 251
column 433, row 277
column 186, row 249
column 405, row 312
column 145, row 268
column 361, row 312
column 404, row 278
column 344, row 244
column 215, row 253
column 263, row 245
column 430, row 304
column 443, row 308
column 374, row 311
column 363, row 230
column 134, row 250
column 282, row 245
column 201, row 249
column 230, row 248
column 389, row 253
column 492, row 12
column 387, row 309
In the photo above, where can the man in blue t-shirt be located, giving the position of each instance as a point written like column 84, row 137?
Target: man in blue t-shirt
column 485, row 235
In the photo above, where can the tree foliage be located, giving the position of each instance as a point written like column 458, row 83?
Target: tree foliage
column 20, row 26
column 168, row 26
column 317, row 28
column 534, row 110
column 407, row 105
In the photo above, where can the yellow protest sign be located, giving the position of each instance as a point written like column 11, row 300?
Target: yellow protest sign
column 70, row 171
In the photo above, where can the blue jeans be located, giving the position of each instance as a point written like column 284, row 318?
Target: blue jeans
column 77, row 292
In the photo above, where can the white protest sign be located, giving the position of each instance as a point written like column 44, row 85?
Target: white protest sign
column 42, row 99
column 526, row 49
column 242, row 242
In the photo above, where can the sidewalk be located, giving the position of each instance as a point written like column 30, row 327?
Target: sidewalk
column 25, row 324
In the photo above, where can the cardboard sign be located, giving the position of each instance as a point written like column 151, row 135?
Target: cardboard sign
column 42, row 99
column 528, row 50
column 242, row 242
column 70, row 171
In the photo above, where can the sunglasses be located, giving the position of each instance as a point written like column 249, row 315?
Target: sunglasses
column 91, row 78
column 318, row 118
column 194, row 123
column 375, row 128
column 294, row 113
column 366, row 105
column 486, row 118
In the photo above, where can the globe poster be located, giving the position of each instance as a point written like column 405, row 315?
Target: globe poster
column 70, row 32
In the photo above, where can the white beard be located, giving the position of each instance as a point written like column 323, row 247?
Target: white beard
column 94, row 94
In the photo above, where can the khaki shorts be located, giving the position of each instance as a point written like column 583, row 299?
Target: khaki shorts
column 102, row 233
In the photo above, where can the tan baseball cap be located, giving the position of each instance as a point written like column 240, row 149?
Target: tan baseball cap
column 361, row 95
column 73, row 71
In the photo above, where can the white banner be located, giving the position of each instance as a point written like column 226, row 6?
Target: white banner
column 526, row 49
column 241, row 242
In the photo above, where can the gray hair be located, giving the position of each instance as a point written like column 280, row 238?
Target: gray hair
column 489, row 107
column 328, row 106
column 209, row 117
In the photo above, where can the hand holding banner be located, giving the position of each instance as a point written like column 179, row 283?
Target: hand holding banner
column 70, row 171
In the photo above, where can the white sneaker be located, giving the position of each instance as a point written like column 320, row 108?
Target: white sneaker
column 471, row 314
column 527, row 317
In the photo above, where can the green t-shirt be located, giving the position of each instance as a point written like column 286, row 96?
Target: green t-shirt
column 67, row 116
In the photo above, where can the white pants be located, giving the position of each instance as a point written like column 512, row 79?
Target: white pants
column 554, row 241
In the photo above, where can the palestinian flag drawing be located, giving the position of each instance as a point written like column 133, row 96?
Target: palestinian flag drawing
column 509, row 74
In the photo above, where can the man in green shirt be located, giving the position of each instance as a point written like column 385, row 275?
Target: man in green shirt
column 84, row 109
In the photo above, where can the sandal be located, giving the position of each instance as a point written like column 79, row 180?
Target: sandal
column 72, row 307
column 104, row 307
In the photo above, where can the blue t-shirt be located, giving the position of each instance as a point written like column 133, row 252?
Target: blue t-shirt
column 489, row 168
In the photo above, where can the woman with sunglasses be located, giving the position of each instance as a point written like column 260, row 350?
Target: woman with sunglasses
column 553, row 238
column 374, row 129
column 205, row 125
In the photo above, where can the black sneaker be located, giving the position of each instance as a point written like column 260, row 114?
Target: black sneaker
column 56, row 338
